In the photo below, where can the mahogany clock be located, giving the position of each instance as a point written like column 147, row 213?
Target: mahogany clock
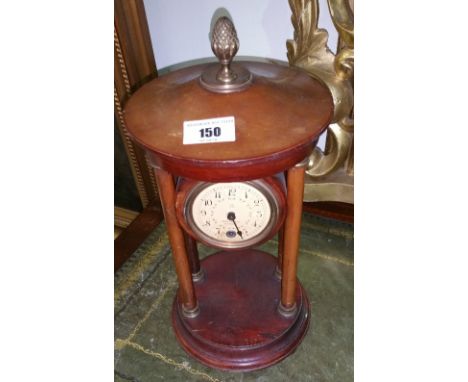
column 229, row 145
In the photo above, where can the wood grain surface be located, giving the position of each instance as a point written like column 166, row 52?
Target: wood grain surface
column 239, row 326
column 278, row 120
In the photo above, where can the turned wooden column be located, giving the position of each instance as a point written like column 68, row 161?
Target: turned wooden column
column 194, row 259
column 176, row 237
column 292, row 233
column 279, row 265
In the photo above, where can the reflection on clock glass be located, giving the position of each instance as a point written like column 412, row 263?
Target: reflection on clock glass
column 231, row 212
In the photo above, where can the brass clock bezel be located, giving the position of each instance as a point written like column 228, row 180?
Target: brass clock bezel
column 271, row 188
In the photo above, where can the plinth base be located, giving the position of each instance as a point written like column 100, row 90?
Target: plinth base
column 239, row 327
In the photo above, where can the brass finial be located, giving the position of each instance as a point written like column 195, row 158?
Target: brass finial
column 225, row 44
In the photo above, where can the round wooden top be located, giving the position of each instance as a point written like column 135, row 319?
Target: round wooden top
column 277, row 122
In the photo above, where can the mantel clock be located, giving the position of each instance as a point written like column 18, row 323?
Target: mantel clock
column 229, row 143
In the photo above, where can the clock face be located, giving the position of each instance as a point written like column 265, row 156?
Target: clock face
column 232, row 215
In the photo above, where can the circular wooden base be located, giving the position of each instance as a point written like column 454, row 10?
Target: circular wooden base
column 239, row 327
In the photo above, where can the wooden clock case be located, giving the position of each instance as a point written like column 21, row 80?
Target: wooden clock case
column 238, row 309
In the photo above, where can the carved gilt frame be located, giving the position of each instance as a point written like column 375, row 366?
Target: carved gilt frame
column 330, row 173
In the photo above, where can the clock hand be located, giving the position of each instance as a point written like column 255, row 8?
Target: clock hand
column 232, row 216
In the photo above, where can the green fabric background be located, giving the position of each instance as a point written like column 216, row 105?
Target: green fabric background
column 146, row 348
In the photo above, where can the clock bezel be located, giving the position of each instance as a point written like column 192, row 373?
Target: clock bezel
column 272, row 187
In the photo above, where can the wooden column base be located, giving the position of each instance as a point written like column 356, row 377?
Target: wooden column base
column 239, row 327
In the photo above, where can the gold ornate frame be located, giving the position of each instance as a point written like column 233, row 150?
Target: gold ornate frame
column 330, row 173
column 134, row 65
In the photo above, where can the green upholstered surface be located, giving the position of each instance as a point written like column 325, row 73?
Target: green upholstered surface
column 146, row 348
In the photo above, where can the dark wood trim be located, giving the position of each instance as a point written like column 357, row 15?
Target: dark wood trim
column 135, row 42
column 134, row 65
column 334, row 210
column 138, row 230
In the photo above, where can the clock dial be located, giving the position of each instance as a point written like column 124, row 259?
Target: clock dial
column 232, row 215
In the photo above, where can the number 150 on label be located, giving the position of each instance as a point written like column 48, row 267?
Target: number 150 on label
column 209, row 130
